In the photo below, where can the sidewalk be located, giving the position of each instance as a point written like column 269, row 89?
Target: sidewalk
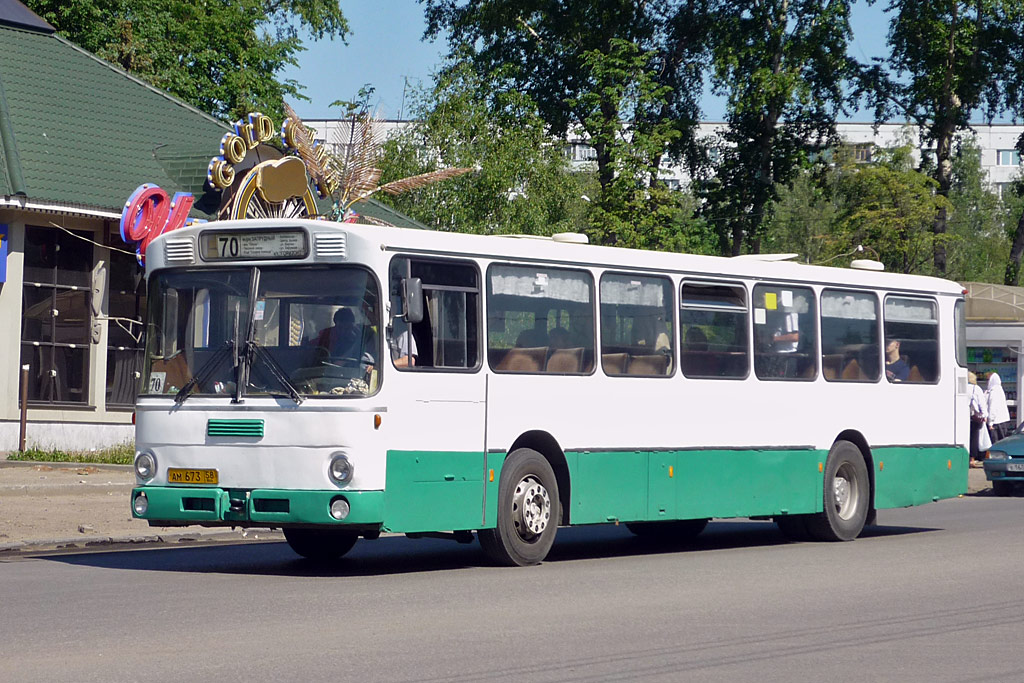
column 46, row 506
column 65, row 506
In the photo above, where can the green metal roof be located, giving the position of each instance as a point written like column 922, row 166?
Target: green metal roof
column 81, row 131
column 76, row 129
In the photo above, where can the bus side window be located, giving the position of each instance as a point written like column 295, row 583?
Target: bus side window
column 713, row 327
column 849, row 337
column 636, row 325
column 448, row 336
column 540, row 320
column 912, row 340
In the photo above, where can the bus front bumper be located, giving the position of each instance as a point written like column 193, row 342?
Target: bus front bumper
column 254, row 507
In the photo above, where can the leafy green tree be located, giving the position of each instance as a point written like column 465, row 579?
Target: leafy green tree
column 949, row 59
column 590, row 65
column 805, row 216
column 523, row 183
column 978, row 245
column 889, row 207
column 782, row 64
column 223, row 57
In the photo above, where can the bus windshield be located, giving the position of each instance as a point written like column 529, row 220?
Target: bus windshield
column 316, row 328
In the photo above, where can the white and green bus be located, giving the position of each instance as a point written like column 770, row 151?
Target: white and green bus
column 338, row 381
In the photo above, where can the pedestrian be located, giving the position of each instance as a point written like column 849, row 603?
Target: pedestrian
column 979, row 413
column 999, row 422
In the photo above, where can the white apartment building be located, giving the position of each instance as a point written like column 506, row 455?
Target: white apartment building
column 999, row 157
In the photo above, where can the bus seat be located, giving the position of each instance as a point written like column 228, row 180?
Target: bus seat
column 614, row 363
column 915, row 375
column 565, row 361
column 647, row 364
column 852, row 371
column 530, row 359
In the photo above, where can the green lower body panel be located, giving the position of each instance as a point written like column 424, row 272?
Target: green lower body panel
column 633, row 486
column 257, row 507
column 435, row 491
column 906, row 475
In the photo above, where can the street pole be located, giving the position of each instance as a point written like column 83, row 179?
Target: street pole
column 24, row 407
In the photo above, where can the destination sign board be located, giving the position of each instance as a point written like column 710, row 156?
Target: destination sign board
column 253, row 245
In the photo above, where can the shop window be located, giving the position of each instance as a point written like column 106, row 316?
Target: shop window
column 56, row 320
column 126, row 312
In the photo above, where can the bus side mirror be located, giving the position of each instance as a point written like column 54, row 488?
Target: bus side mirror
column 412, row 300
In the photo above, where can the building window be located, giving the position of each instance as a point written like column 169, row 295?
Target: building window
column 1007, row 157
column 57, row 314
column 862, row 153
column 126, row 312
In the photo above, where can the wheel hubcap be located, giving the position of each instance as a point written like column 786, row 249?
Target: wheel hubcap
column 531, row 508
column 846, row 492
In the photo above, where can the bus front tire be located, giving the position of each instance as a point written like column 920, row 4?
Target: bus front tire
column 528, row 511
column 847, row 493
column 321, row 545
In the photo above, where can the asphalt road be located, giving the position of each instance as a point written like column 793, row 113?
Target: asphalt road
column 934, row 595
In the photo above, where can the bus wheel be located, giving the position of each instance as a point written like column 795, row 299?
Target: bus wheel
column 677, row 531
column 528, row 511
column 845, row 497
column 321, row 545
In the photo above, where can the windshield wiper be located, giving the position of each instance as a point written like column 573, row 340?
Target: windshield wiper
column 254, row 350
column 205, row 371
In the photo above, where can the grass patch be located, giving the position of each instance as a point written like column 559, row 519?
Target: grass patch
column 122, row 454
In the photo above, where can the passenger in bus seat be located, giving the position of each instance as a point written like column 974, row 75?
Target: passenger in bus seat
column 896, row 368
column 558, row 338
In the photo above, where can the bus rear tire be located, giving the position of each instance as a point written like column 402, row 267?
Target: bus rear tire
column 528, row 511
column 847, row 494
column 320, row 545
column 676, row 531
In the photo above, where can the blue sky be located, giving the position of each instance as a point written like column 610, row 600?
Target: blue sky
column 385, row 49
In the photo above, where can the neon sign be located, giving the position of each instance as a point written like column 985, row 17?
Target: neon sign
column 149, row 213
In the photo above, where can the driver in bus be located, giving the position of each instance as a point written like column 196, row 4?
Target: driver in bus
column 345, row 340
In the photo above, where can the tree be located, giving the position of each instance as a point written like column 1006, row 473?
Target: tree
column 782, row 64
column 949, row 59
column 223, row 57
column 523, row 183
column 889, row 207
column 978, row 245
column 584, row 63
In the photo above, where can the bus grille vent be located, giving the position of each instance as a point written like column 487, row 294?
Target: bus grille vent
column 330, row 245
column 180, row 250
column 234, row 428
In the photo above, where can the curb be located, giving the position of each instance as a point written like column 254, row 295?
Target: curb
column 64, row 465
column 136, row 540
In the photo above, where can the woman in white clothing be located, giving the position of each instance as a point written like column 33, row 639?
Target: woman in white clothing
column 998, row 413
column 979, row 413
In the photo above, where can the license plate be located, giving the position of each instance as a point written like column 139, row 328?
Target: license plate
column 1015, row 467
column 187, row 476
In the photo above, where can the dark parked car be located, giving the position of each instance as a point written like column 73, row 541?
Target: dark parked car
column 1004, row 465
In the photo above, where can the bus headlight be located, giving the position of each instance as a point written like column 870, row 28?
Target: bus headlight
column 145, row 465
column 140, row 504
column 340, row 469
